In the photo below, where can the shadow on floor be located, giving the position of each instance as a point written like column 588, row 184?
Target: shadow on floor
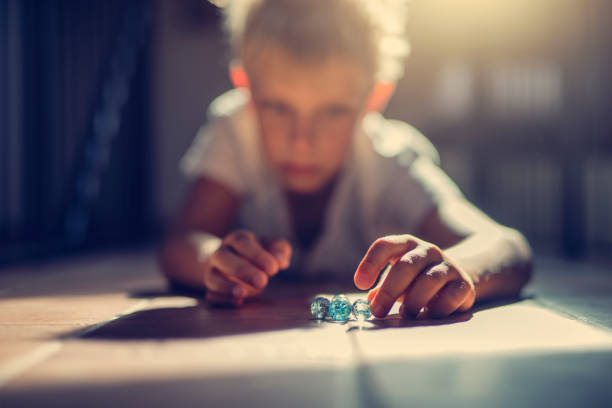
column 281, row 308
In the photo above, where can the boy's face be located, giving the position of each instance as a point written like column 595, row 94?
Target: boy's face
column 307, row 114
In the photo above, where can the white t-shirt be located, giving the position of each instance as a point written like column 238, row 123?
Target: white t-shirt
column 388, row 184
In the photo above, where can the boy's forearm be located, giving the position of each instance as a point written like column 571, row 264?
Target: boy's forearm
column 499, row 262
column 184, row 257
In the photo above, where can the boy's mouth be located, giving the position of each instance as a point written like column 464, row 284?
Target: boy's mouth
column 299, row 169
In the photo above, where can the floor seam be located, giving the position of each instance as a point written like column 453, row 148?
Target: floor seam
column 552, row 306
column 364, row 379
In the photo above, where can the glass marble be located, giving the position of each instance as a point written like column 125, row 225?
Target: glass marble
column 319, row 307
column 361, row 309
column 340, row 308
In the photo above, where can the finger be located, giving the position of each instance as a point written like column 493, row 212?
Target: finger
column 468, row 302
column 246, row 244
column 381, row 252
column 374, row 291
column 425, row 286
column 217, row 282
column 401, row 276
column 451, row 296
column 281, row 250
column 235, row 266
column 381, row 279
column 219, row 299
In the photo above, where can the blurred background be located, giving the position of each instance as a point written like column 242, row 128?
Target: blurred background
column 100, row 98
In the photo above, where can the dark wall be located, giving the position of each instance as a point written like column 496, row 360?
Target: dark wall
column 75, row 147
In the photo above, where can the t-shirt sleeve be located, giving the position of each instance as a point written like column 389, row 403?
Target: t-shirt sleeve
column 214, row 154
column 418, row 186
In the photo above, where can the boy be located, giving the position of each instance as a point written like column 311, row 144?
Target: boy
column 297, row 168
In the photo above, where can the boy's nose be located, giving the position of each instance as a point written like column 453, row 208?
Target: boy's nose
column 302, row 137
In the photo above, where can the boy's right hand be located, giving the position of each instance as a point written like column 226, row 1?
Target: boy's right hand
column 241, row 266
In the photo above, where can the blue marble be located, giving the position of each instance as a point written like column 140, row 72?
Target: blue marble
column 361, row 309
column 319, row 307
column 340, row 308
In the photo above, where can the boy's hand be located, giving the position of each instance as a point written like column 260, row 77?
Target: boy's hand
column 421, row 275
column 241, row 266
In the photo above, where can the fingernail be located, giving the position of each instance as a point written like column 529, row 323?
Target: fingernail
column 280, row 256
column 259, row 281
column 238, row 292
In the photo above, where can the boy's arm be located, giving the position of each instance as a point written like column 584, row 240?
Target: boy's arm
column 497, row 258
column 201, row 253
column 204, row 218
column 460, row 256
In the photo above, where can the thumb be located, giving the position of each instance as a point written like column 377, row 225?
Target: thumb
column 280, row 249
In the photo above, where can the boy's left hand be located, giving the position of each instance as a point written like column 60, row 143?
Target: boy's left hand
column 421, row 276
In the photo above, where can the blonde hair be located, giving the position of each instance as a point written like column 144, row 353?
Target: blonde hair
column 372, row 32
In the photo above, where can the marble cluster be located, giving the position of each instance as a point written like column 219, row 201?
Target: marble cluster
column 339, row 308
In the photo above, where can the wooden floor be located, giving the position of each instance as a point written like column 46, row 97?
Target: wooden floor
column 103, row 331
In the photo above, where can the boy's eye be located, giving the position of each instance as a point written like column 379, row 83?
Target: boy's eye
column 277, row 108
column 336, row 111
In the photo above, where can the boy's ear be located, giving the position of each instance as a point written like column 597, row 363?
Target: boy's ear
column 379, row 96
column 238, row 75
